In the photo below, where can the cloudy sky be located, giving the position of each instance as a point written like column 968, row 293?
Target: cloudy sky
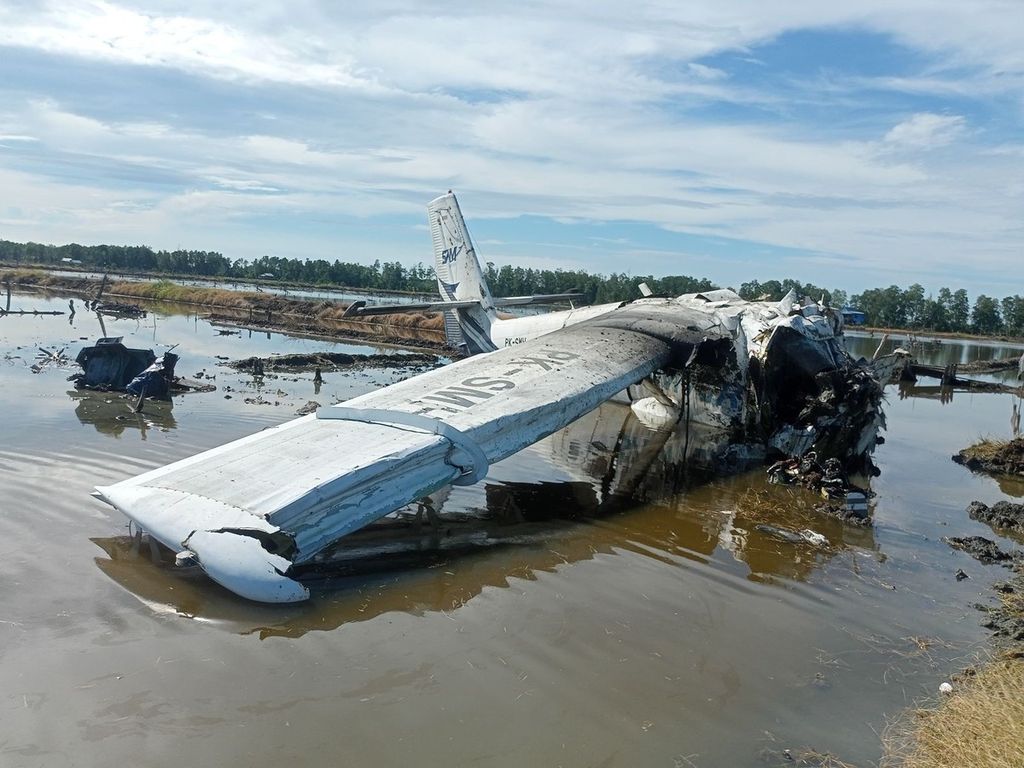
column 848, row 144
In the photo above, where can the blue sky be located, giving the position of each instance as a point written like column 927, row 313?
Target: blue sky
column 849, row 147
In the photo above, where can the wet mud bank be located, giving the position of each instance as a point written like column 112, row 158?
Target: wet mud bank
column 408, row 336
column 250, row 309
column 995, row 457
column 1006, row 618
column 333, row 361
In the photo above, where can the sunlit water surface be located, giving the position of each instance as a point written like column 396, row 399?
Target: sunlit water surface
column 548, row 621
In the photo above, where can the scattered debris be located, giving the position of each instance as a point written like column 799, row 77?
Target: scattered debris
column 981, row 549
column 948, row 376
column 46, row 358
column 890, row 367
column 990, row 366
column 311, row 406
column 842, row 499
column 960, row 575
column 110, row 366
column 113, row 308
column 6, row 309
column 805, row 536
column 994, row 457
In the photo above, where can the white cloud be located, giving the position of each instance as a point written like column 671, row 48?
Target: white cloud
column 926, row 131
column 97, row 29
column 578, row 111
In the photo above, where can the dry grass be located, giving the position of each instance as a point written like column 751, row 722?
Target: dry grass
column 985, row 449
column 980, row 725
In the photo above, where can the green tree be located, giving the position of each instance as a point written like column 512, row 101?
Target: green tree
column 985, row 316
column 959, row 311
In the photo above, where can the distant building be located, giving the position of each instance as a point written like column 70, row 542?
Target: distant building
column 267, row 276
column 853, row 316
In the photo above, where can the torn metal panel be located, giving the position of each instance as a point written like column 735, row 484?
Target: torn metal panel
column 109, row 364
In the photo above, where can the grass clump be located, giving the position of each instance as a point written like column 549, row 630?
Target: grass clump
column 981, row 724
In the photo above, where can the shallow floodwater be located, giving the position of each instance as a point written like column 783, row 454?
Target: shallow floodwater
column 547, row 620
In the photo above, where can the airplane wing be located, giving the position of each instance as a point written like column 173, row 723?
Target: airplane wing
column 251, row 509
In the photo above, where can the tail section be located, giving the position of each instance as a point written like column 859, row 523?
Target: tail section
column 459, row 277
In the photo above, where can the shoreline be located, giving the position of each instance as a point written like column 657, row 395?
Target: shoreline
column 318, row 318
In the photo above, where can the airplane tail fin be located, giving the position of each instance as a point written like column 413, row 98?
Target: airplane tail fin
column 459, row 278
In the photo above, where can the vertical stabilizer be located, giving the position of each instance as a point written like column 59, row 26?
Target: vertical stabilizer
column 459, row 277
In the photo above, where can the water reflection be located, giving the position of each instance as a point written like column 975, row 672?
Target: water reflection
column 625, row 489
column 943, row 393
column 112, row 413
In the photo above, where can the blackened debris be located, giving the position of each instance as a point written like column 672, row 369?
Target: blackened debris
column 110, row 365
column 843, row 500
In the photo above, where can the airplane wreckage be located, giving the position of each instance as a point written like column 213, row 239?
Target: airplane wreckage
column 773, row 377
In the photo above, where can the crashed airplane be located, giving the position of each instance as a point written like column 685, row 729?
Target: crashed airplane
column 253, row 512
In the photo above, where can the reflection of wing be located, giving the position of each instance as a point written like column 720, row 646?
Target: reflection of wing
column 250, row 509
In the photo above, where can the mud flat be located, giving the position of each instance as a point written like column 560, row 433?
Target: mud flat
column 333, row 361
column 251, row 309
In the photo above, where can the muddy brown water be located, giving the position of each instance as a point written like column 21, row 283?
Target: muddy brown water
column 548, row 619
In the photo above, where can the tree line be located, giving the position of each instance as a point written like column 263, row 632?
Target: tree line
column 386, row 276
column 911, row 309
column 892, row 307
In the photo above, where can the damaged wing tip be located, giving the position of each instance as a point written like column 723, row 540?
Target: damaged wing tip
column 241, row 564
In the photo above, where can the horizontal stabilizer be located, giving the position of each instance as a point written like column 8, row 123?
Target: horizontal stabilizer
column 362, row 309
column 544, row 298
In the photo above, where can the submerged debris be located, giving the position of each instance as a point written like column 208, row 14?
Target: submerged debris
column 994, row 457
column 156, row 381
column 1002, row 514
column 113, row 308
column 803, row 536
column 843, row 500
column 990, row 366
column 110, row 366
column 46, row 358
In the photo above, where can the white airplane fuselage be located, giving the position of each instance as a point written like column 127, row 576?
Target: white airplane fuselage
column 517, row 330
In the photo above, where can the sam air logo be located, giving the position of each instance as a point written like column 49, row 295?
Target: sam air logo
column 449, row 255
